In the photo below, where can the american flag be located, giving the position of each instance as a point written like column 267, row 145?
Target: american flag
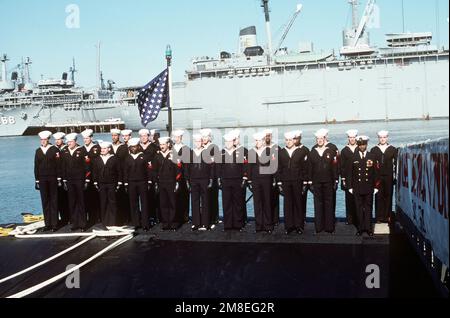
column 152, row 97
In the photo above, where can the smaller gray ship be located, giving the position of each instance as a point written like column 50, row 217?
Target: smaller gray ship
column 57, row 104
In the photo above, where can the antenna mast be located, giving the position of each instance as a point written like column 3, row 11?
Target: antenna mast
column 73, row 70
column 265, row 5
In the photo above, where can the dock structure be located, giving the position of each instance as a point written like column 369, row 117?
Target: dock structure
column 223, row 264
column 78, row 127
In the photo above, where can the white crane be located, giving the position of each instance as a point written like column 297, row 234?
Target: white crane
column 364, row 20
column 289, row 26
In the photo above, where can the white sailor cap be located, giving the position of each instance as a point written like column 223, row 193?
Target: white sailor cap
column 154, row 131
column 259, row 135
column 115, row 131
column 72, row 137
column 229, row 137
column 236, row 133
column 144, row 132
column 45, row 134
column 133, row 142
column 298, row 133
column 104, row 144
column 352, row 133
column 362, row 139
column 290, row 135
column 59, row 135
column 321, row 133
column 197, row 137
column 383, row 133
column 178, row 133
column 87, row 133
column 206, row 132
column 164, row 140
column 126, row 132
column 268, row 131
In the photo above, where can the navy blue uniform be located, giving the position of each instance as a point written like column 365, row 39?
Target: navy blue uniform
column 47, row 169
column 292, row 174
column 167, row 173
column 153, row 198
column 213, row 151
column 76, row 171
column 383, row 199
column 123, row 216
column 199, row 172
column 136, row 177
column 323, row 175
column 182, row 153
column 231, row 173
column 92, row 199
column 107, row 176
column 261, row 169
column 363, row 178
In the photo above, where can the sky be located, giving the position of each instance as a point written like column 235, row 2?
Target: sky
column 134, row 33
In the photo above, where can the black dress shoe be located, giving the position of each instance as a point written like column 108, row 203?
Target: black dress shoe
column 370, row 233
column 299, row 231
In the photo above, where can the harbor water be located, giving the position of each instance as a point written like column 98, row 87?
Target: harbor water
column 17, row 193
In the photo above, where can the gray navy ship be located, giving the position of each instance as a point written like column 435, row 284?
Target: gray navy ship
column 407, row 78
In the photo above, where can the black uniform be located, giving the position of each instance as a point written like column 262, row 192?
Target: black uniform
column 293, row 175
column 123, row 216
column 323, row 174
column 153, row 198
column 383, row 199
column 363, row 179
column 346, row 161
column 76, row 171
column 200, row 173
column 63, row 201
column 92, row 201
column 335, row 150
column 107, row 177
column 182, row 153
column 213, row 151
column 136, row 177
column 231, row 173
column 47, row 170
column 167, row 174
column 260, row 173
